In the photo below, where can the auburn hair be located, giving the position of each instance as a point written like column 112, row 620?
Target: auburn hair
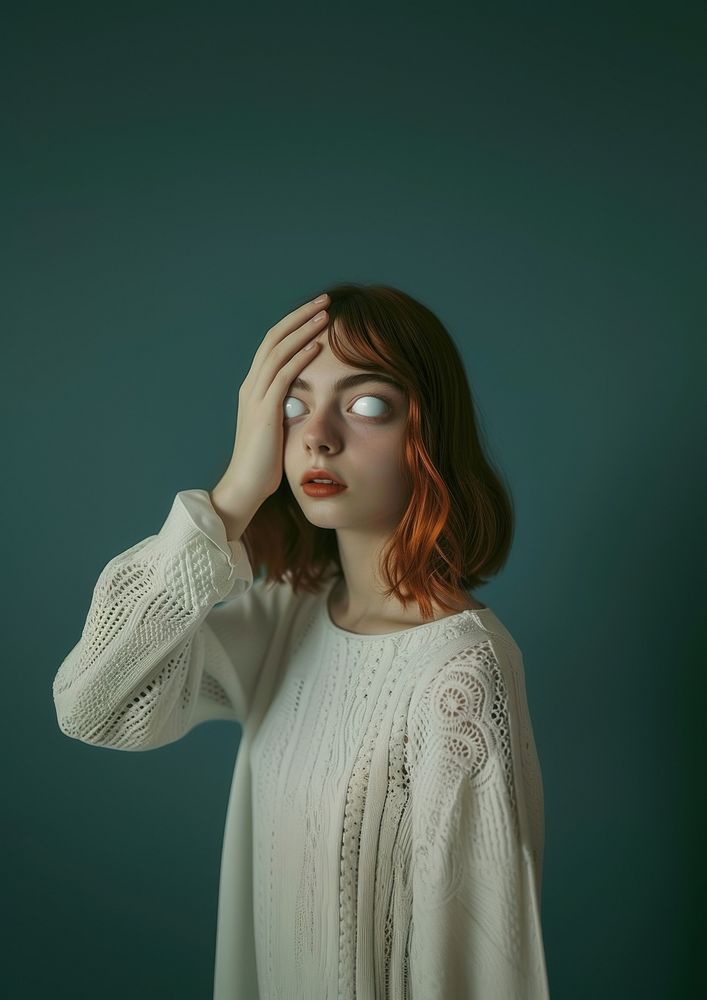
column 458, row 526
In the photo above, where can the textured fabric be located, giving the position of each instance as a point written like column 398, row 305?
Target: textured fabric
column 385, row 830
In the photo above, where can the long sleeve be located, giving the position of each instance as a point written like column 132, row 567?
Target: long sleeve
column 477, row 834
column 175, row 635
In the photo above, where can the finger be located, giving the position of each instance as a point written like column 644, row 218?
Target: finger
column 287, row 372
column 266, row 366
column 295, row 320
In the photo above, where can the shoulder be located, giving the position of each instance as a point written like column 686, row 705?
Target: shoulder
column 261, row 612
column 469, row 654
column 459, row 711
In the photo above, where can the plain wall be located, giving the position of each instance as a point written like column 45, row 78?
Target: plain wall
column 177, row 178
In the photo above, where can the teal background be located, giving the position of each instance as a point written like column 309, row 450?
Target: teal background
column 175, row 179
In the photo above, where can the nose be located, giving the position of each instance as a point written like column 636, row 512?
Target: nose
column 321, row 434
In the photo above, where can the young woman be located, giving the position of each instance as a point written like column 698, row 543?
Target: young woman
column 385, row 828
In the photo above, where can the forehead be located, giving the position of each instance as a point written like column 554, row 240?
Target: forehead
column 325, row 373
column 332, row 383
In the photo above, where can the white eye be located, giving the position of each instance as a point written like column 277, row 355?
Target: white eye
column 379, row 402
column 285, row 410
column 365, row 400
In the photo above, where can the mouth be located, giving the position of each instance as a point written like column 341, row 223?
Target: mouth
column 321, row 477
column 314, row 489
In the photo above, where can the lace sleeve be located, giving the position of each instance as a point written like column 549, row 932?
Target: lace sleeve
column 476, row 928
column 154, row 658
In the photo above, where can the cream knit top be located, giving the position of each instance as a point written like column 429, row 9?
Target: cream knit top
column 385, row 830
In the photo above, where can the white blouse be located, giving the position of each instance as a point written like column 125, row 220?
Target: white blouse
column 385, row 830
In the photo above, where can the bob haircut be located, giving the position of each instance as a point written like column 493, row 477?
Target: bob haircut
column 458, row 526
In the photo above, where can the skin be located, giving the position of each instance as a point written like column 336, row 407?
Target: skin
column 338, row 432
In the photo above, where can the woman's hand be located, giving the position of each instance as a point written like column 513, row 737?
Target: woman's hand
column 256, row 467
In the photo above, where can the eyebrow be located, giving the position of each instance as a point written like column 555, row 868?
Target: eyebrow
column 350, row 380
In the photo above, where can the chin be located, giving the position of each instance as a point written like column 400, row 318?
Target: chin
column 322, row 520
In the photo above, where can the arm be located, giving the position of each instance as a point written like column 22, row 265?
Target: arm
column 157, row 656
column 476, row 930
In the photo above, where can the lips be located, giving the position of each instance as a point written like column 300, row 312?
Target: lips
column 312, row 474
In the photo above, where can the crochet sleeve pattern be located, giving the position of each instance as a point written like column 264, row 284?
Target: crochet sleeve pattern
column 476, row 928
column 174, row 636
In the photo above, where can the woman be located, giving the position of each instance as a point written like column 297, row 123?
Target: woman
column 385, row 829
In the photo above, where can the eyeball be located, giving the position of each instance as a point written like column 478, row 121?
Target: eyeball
column 284, row 406
column 375, row 399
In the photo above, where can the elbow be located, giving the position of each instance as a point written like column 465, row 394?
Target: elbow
column 70, row 727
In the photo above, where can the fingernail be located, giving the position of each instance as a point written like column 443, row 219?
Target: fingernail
column 322, row 297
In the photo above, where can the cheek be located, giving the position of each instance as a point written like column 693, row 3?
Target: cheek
column 383, row 460
column 375, row 444
column 288, row 453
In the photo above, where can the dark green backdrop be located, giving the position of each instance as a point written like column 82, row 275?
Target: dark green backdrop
column 175, row 179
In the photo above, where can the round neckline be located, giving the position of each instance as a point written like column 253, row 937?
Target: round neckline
column 386, row 635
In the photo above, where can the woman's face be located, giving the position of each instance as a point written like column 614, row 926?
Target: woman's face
column 356, row 433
